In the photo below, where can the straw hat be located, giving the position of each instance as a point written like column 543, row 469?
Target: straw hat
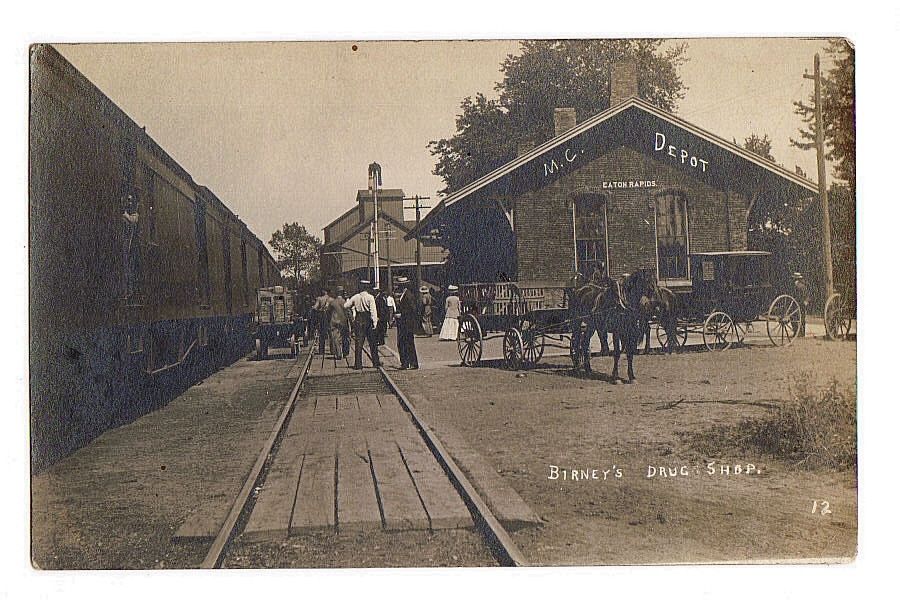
column 423, row 289
column 452, row 288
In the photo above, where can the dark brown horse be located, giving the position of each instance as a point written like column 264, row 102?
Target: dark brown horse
column 604, row 305
column 654, row 302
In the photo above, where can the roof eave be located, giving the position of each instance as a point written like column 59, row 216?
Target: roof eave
column 592, row 122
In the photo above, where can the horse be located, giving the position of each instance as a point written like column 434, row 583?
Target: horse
column 654, row 301
column 605, row 305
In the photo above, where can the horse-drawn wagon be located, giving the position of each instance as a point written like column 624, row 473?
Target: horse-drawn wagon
column 729, row 293
column 528, row 319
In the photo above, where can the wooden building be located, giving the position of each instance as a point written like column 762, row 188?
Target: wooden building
column 632, row 187
column 347, row 254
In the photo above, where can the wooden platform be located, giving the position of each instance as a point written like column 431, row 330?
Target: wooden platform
column 352, row 461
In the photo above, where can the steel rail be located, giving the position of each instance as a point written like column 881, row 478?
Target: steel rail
column 499, row 540
column 216, row 552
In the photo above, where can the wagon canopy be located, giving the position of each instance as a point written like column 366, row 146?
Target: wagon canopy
column 637, row 124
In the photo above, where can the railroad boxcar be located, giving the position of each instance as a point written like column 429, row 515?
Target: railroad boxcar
column 141, row 280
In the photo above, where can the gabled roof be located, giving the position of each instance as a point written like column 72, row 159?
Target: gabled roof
column 402, row 227
column 390, row 193
column 619, row 125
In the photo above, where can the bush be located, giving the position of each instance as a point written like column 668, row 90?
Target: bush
column 813, row 428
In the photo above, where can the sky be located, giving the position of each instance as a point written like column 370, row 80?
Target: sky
column 284, row 132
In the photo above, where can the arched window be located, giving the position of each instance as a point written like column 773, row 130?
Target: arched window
column 590, row 234
column 672, row 236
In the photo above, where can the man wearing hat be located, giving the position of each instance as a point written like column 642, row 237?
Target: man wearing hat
column 801, row 291
column 338, row 325
column 321, row 322
column 365, row 319
column 345, row 331
column 407, row 318
column 381, row 307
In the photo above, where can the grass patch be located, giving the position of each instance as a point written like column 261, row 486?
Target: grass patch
column 813, row 428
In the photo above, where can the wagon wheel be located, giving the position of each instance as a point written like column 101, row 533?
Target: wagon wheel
column 783, row 322
column 469, row 340
column 719, row 332
column 533, row 342
column 837, row 317
column 513, row 348
column 681, row 335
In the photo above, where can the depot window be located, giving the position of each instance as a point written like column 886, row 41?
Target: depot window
column 590, row 234
column 672, row 236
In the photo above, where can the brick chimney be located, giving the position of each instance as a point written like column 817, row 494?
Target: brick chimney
column 564, row 119
column 524, row 146
column 623, row 81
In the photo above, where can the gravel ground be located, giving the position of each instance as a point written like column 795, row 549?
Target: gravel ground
column 525, row 423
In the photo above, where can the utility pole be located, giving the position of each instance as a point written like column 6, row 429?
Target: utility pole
column 369, row 250
column 418, row 206
column 388, row 236
column 374, row 182
column 823, row 190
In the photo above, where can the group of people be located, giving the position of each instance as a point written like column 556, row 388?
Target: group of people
column 366, row 316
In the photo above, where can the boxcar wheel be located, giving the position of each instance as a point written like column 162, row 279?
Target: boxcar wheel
column 469, row 340
column 719, row 332
column 513, row 349
column 783, row 320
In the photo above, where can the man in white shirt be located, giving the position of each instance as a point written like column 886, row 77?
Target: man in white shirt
column 365, row 319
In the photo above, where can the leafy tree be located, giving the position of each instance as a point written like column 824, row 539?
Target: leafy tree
column 839, row 120
column 838, row 113
column 296, row 253
column 546, row 75
column 761, row 146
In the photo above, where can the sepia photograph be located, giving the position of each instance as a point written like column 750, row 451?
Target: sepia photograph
column 442, row 303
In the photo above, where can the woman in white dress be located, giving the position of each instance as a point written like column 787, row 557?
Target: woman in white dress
column 450, row 328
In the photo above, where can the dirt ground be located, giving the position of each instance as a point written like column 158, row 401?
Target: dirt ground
column 116, row 503
column 380, row 549
column 529, row 423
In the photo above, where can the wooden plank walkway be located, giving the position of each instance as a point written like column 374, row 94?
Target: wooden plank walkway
column 352, row 461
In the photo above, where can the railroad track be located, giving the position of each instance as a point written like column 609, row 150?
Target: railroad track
column 495, row 536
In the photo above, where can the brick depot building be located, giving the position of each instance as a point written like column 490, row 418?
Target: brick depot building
column 630, row 188
column 347, row 253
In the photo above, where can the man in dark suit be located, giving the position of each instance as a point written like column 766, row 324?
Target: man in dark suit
column 407, row 319
column 381, row 307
